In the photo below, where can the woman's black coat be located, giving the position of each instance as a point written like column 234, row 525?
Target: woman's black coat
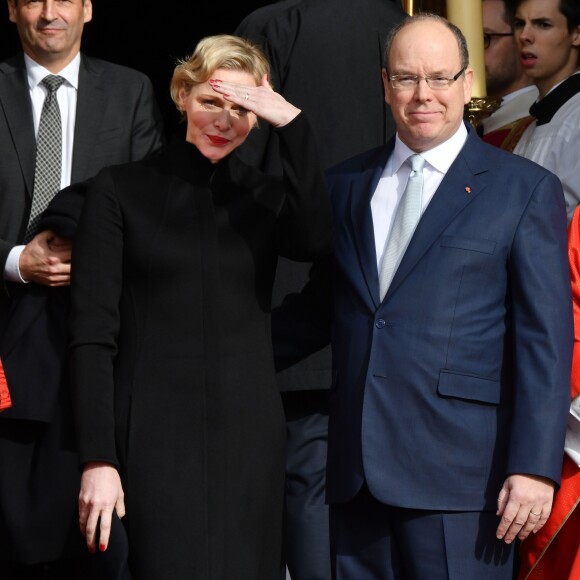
column 172, row 367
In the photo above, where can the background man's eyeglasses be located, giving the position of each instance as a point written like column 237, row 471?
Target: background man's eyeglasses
column 487, row 36
column 434, row 82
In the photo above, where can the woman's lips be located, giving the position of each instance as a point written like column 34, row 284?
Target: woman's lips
column 217, row 140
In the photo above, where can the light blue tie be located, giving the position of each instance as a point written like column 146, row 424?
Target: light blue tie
column 406, row 220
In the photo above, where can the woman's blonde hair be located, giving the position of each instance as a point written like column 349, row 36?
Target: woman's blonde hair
column 214, row 52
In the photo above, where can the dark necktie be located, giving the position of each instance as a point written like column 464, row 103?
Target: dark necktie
column 48, row 155
column 404, row 224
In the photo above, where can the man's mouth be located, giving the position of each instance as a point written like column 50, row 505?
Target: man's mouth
column 528, row 59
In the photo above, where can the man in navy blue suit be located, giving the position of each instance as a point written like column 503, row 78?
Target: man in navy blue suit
column 450, row 386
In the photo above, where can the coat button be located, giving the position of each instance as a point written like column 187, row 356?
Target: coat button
column 380, row 323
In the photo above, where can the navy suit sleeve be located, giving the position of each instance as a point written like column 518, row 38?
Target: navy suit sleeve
column 542, row 334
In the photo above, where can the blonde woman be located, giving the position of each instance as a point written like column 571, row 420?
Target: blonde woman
column 180, row 426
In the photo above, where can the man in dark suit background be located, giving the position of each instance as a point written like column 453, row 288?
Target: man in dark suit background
column 450, row 391
column 326, row 56
column 109, row 116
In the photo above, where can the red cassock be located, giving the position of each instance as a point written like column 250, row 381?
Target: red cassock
column 507, row 137
column 5, row 401
column 554, row 552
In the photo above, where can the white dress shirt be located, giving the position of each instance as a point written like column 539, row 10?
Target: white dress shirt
column 67, row 102
column 392, row 183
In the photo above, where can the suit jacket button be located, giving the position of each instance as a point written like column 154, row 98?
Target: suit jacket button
column 380, row 323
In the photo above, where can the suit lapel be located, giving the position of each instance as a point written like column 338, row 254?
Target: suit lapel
column 15, row 102
column 361, row 193
column 464, row 181
column 92, row 101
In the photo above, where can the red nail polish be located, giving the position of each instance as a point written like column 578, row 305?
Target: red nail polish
column 102, row 547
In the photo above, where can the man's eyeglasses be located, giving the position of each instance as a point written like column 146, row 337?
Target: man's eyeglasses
column 436, row 82
column 487, row 36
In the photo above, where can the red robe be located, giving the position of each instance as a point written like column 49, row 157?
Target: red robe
column 507, row 137
column 554, row 552
column 5, row 401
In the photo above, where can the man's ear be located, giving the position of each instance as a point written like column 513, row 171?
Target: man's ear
column 468, row 85
column 11, row 11
column 386, row 85
column 576, row 36
column 88, row 11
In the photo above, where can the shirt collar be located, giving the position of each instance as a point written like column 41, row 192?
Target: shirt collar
column 440, row 157
column 37, row 72
column 511, row 96
column 544, row 109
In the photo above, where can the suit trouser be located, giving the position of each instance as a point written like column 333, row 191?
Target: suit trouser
column 39, row 487
column 373, row 541
column 307, row 534
column 80, row 569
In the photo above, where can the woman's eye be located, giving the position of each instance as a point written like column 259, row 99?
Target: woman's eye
column 209, row 103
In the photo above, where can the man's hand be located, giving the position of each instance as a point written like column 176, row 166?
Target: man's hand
column 101, row 492
column 524, row 504
column 46, row 260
